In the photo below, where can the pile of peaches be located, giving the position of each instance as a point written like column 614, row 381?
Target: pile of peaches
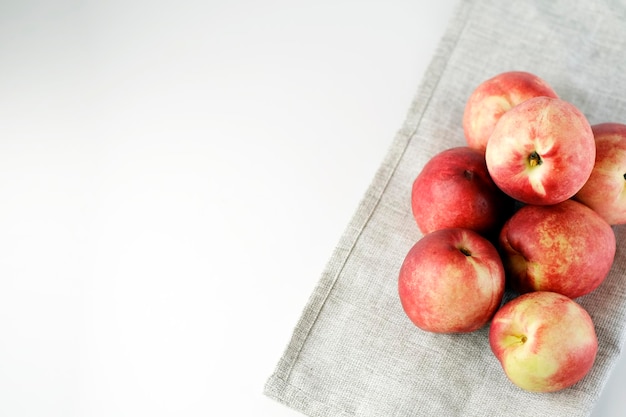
column 529, row 204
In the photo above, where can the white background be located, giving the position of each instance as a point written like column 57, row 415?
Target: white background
column 173, row 178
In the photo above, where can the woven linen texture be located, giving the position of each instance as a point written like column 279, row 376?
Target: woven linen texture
column 354, row 352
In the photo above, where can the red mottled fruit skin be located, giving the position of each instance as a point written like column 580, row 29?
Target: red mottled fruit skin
column 562, row 137
column 494, row 97
column 605, row 190
column 565, row 248
column 556, row 327
column 454, row 189
column 443, row 290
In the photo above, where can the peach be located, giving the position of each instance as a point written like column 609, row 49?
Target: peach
column 542, row 151
column 454, row 189
column 544, row 341
column 605, row 190
column 494, row 97
column 566, row 248
column 451, row 281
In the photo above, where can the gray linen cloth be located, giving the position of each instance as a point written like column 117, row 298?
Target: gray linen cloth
column 354, row 352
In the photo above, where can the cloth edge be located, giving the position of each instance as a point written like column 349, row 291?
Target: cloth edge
column 277, row 386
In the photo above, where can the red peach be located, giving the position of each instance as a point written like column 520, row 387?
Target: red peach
column 452, row 280
column 542, row 151
column 565, row 248
column 605, row 190
column 454, row 189
column 494, row 97
column 544, row 341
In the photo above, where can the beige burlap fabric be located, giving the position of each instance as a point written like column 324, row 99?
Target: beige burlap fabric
column 354, row 352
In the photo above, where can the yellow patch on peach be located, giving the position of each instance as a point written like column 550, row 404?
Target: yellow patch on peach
column 536, row 183
column 450, row 280
column 558, row 244
column 492, row 108
column 530, row 372
column 535, row 273
column 484, row 276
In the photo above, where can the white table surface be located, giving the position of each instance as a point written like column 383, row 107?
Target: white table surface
column 173, row 178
